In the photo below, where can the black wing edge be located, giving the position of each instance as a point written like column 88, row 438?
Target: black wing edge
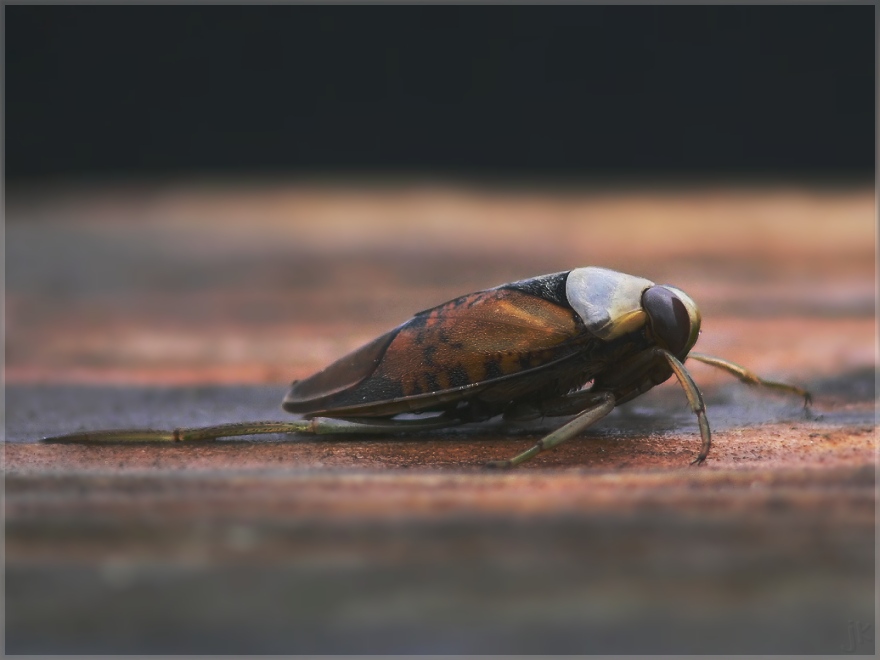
column 347, row 372
column 549, row 287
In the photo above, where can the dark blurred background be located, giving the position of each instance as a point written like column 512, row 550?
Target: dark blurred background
column 785, row 92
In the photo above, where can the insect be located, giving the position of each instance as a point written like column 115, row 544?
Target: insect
column 578, row 342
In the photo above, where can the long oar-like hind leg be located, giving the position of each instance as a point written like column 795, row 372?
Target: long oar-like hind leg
column 605, row 404
column 316, row 425
column 749, row 377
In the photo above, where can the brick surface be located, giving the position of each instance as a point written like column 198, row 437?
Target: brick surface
column 169, row 306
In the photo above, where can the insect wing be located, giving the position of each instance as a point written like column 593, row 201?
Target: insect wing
column 342, row 375
column 441, row 355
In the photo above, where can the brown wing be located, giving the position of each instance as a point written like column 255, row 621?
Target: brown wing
column 443, row 354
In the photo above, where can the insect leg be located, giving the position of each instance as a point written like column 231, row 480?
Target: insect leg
column 695, row 399
column 604, row 405
column 183, row 434
column 750, row 378
column 316, row 425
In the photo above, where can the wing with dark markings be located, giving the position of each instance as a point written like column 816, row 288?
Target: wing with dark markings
column 444, row 354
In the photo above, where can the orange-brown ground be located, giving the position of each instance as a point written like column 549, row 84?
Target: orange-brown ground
column 174, row 306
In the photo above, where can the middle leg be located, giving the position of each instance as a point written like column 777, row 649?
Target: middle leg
column 604, row 404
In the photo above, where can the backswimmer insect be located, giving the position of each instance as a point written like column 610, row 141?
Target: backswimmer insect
column 578, row 342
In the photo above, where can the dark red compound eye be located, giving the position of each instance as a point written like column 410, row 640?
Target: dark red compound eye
column 670, row 321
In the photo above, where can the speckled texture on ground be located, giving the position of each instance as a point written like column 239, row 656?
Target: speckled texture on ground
column 180, row 306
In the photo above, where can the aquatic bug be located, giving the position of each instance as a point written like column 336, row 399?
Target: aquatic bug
column 578, row 342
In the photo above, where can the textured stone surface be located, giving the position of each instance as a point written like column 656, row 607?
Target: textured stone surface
column 180, row 306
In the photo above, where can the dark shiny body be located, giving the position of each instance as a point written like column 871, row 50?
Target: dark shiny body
column 507, row 350
column 579, row 342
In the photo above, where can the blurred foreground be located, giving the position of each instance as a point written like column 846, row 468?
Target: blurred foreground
column 171, row 306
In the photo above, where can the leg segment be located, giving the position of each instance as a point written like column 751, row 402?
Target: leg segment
column 317, row 425
column 750, row 378
column 604, row 405
column 695, row 399
column 183, row 434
